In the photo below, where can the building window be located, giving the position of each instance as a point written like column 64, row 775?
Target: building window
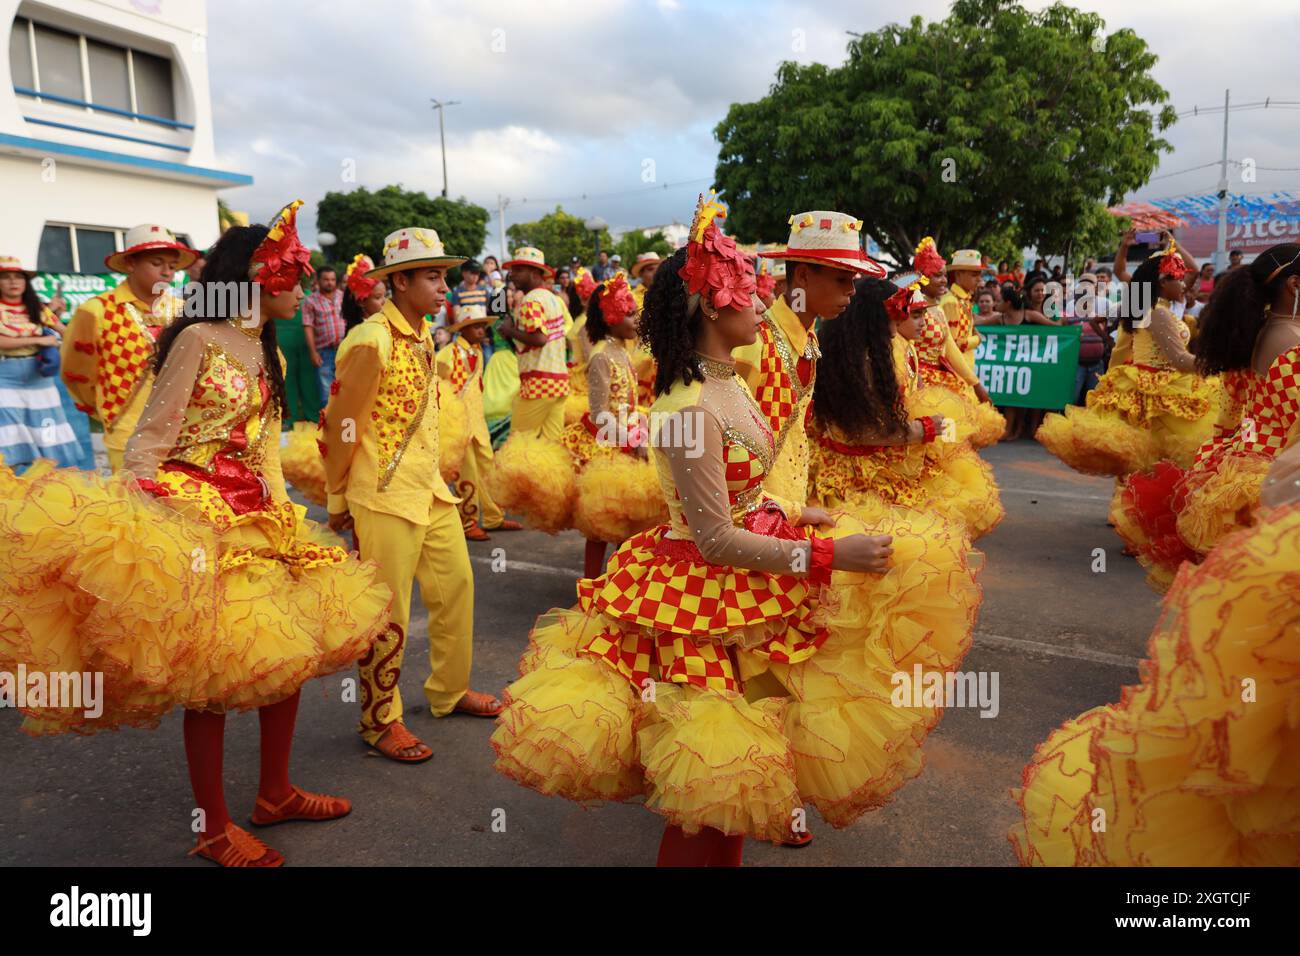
column 71, row 248
column 52, row 65
column 56, row 254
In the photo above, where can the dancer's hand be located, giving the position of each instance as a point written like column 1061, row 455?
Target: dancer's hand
column 864, row 552
column 816, row 517
column 341, row 522
column 982, row 394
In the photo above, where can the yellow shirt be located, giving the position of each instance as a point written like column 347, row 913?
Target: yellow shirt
column 956, row 305
column 86, row 343
column 461, row 365
column 770, row 368
column 381, row 423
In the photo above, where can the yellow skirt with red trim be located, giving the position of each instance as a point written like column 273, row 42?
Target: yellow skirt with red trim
column 179, row 601
column 948, row 478
column 723, row 698
column 1135, row 416
column 302, row 464
column 1197, row 764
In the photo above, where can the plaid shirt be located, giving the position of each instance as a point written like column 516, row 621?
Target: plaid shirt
column 324, row 316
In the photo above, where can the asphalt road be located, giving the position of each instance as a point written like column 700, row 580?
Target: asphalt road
column 1061, row 636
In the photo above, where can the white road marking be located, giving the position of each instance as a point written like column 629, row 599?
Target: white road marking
column 512, row 565
column 1054, row 494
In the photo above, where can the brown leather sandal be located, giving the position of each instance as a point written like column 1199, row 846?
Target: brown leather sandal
column 242, row 849
column 300, row 805
column 478, row 704
column 397, row 738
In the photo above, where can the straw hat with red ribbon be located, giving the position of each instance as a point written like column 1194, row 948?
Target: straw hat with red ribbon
column 826, row 238
column 150, row 238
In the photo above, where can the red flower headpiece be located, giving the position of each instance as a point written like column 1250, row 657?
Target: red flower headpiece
column 615, row 298
column 766, row 284
column 280, row 262
column 358, row 277
column 928, row 262
column 713, row 263
column 905, row 301
column 1171, row 262
column 584, row 283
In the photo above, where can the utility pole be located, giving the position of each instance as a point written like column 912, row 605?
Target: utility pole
column 1221, row 244
column 501, row 224
column 440, row 105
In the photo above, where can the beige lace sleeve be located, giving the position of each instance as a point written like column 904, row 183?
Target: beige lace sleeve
column 160, row 422
column 1164, row 332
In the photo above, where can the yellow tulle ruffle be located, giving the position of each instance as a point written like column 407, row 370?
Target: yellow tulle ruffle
column 534, row 477
column 618, row 495
column 575, row 405
column 1196, row 765
column 301, row 462
column 977, row 422
column 825, row 730
column 170, row 611
column 453, row 431
column 1222, row 501
column 1097, row 442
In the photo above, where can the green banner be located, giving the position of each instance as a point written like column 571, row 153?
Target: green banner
column 1028, row 366
column 78, row 287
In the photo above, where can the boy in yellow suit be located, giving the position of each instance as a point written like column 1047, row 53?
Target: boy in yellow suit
column 106, row 358
column 538, row 330
column 381, row 471
column 460, row 364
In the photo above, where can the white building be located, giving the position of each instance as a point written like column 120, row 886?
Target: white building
column 107, row 123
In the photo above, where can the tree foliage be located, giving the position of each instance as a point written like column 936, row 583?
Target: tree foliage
column 634, row 242
column 560, row 236
column 361, row 219
column 994, row 121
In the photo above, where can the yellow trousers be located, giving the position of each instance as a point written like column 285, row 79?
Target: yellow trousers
column 115, row 456
column 544, row 416
column 475, row 500
column 435, row 557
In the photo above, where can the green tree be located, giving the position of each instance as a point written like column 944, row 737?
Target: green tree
column 995, row 120
column 634, row 242
column 560, row 236
column 361, row 219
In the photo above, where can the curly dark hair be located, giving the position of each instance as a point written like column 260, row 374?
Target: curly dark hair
column 857, row 390
column 667, row 330
column 576, row 308
column 1143, row 286
column 351, row 311
column 1237, row 310
column 597, row 328
column 228, row 263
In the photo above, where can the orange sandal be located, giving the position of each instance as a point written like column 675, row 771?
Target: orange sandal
column 397, row 738
column 796, row 840
column 242, row 849
column 300, row 805
column 477, row 704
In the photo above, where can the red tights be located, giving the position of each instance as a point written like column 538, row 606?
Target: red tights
column 709, row 847
column 204, row 742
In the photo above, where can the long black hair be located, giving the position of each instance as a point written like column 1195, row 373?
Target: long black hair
column 1237, row 310
column 576, row 307
column 351, row 311
column 667, row 330
column 597, row 327
column 228, row 263
column 32, row 302
column 1143, row 287
column 857, row 390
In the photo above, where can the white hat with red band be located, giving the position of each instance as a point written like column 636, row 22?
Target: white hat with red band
column 828, row 239
column 147, row 238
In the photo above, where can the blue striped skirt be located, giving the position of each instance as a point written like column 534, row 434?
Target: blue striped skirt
column 32, row 422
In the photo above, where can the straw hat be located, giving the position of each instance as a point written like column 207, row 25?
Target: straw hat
column 14, row 264
column 530, row 256
column 414, row 248
column 969, row 259
column 827, row 239
column 146, row 238
column 643, row 260
column 470, row 315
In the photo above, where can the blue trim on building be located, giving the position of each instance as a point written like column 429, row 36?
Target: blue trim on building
column 100, row 132
column 99, row 107
column 123, row 159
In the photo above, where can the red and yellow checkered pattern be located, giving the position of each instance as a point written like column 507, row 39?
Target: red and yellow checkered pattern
column 543, row 385
column 674, row 658
column 1277, row 406
column 125, row 347
column 775, row 392
column 743, row 469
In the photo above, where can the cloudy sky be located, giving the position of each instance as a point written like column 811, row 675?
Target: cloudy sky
column 563, row 100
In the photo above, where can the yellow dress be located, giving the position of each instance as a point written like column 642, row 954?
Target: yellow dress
column 1197, row 764
column 214, row 595
column 717, row 671
column 1151, row 408
column 946, row 352
column 592, row 479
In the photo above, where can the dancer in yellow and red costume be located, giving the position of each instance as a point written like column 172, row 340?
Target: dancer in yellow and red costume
column 718, row 671
column 215, row 595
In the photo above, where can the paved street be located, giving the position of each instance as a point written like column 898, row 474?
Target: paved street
column 1061, row 637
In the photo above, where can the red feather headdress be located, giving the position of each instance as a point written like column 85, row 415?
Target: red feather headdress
column 584, row 283
column 280, row 262
column 713, row 263
column 1171, row 262
column 906, row 300
column 358, row 276
column 615, row 298
column 928, row 262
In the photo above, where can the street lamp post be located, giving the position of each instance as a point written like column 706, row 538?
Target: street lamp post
column 440, row 106
column 595, row 224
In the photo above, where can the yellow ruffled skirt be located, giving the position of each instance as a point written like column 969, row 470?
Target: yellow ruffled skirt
column 302, row 464
column 977, row 422
column 453, row 431
column 1196, row 765
column 1134, row 418
column 728, row 699
column 169, row 609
